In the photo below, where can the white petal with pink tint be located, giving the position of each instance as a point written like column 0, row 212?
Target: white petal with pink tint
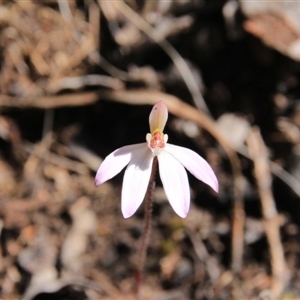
column 136, row 180
column 116, row 161
column 158, row 116
column 195, row 164
column 172, row 161
column 175, row 183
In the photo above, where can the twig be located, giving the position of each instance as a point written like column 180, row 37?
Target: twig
column 96, row 58
column 40, row 150
column 210, row 263
column 65, row 10
column 44, row 154
column 45, row 102
column 258, row 152
column 78, row 82
column 278, row 171
column 85, row 155
column 94, row 22
column 179, row 62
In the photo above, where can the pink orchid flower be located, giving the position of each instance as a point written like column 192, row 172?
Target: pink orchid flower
column 171, row 162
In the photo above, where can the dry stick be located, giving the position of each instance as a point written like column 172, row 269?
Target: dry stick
column 177, row 59
column 44, row 154
column 93, row 53
column 258, row 152
column 278, row 171
column 94, row 23
column 32, row 166
column 147, row 228
column 65, row 10
column 44, row 102
column 77, row 82
column 208, row 261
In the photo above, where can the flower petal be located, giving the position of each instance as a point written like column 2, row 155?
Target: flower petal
column 158, row 116
column 195, row 164
column 116, row 161
column 175, row 183
column 136, row 180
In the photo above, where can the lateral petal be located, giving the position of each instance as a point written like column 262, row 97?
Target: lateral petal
column 116, row 161
column 195, row 164
column 175, row 183
column 136, row 180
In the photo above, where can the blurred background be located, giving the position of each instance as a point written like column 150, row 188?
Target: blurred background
column 78, row 79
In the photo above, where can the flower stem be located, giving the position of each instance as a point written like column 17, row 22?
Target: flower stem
column 147, row 227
